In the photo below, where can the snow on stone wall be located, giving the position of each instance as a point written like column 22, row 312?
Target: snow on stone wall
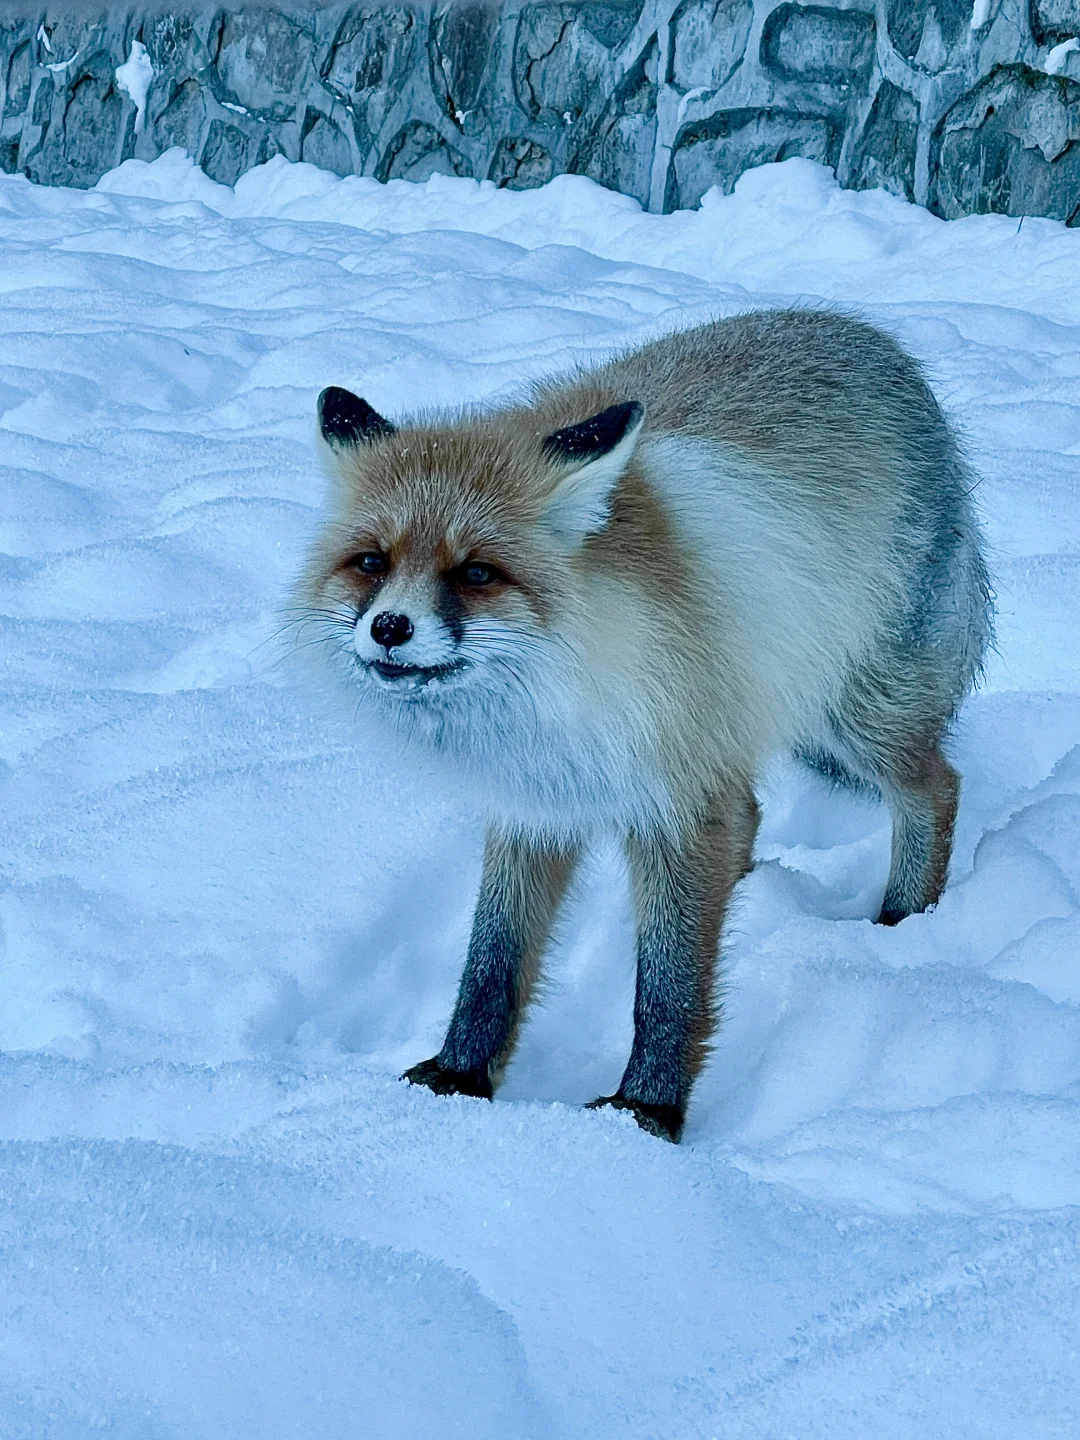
column 962, row 105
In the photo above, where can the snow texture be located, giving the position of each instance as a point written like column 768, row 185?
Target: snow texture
column 1058, row 57
column 231, row 917
column 134, row 77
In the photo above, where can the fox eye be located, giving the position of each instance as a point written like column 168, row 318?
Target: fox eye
column 371, row 563
column 478, row 574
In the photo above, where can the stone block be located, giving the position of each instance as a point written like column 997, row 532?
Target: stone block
column 260, row 60
column 1055, row 20
column 174, row 45
column 619, row 153
column 716, row 151
column 462, row 37
column 42, row 103
column 18, row 77
column 228, row 152
column 559, row 62
column 884, row 154
column 612, row 22
column 374, row 48
column 95, row 130
column 913, row 24
column 417, row 152
column 325, row 145
column 708, row 42
column 369, row 64
column 1010, row 146
column 182, row 119
column 521, row 164
column 809, row 42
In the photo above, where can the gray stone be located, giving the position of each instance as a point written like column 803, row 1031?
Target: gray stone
column 620, row 153
column 368, row 65
column 718, row 150
column 182, row 120
column 260, row 58
column 417, row 152
column 1010, row 146
column 558, row 62
column 521, row 164
column 93, row 133
column 910, row 26
column 612, row 22
column 462, row 37
column 657, row 98
column 174, row 45
column 41, row 109
column 884, row 155
column 325, row 145
column 17, row 89
column 810, row 42
column 708, row 42
column 225, row 154
column 373, row 48
column 1055, row 20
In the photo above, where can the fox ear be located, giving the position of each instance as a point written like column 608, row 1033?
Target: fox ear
column 347, row 421
column 595, row 453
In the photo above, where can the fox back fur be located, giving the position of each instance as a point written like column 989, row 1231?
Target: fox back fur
column 609, row 604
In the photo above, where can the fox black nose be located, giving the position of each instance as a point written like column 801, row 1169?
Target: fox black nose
column 390, row 630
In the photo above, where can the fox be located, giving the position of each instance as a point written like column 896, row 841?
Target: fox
column 609, row 601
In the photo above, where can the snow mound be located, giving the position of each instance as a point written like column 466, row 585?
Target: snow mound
column 162, row 1292
column 229, row 917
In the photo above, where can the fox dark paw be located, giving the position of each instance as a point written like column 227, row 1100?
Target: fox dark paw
column 891, row 917
column 450, row 1082
column 663, row 1121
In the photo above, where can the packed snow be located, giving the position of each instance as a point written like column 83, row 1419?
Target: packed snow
column 135, row 77
column 232, row 916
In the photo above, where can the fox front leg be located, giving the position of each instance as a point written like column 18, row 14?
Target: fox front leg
column 520, row 892
column 681, row 893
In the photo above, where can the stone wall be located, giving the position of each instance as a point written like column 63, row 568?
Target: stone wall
column 962, row 105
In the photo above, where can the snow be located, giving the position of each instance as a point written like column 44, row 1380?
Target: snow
column 230, row 918
column 1058, row 56
column 134, row 77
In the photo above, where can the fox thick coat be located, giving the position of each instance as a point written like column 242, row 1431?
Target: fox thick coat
column 609, row 604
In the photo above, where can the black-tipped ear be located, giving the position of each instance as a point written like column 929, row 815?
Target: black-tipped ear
column 345, row 420
column 593, row 457
column 595, row 437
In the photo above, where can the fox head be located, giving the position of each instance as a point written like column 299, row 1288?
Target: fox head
column 452, row 561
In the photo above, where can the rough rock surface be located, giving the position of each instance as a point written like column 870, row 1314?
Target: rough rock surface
column 962, row 105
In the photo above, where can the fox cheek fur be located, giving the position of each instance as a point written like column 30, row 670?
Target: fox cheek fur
column 609, row 605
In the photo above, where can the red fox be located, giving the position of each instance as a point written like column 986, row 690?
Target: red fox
column 608, row 604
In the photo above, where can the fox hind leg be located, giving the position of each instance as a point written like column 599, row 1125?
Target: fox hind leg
column 921, row 789
column 922, row 792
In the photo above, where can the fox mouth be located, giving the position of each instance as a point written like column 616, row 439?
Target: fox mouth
column 413, row 676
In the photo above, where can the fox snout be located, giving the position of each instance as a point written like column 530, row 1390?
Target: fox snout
column 398, row 637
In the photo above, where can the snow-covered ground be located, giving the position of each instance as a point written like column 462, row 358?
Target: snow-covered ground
column 230, row 918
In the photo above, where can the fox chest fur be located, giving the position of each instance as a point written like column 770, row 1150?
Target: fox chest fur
column 608, row 604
